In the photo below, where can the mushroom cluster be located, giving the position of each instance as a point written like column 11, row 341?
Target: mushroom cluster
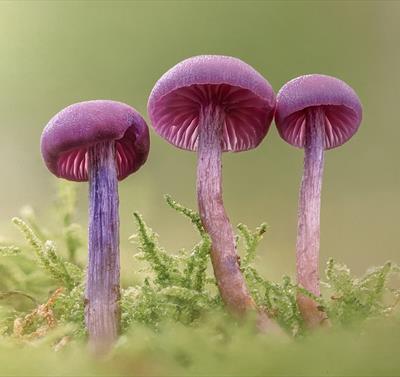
column 209, row 104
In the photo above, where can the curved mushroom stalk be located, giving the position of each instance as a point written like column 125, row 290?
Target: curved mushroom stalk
column 308, row 231
column 213, row 104
column 213, row 215
column 102, row 312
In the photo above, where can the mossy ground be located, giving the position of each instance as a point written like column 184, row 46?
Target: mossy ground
column 173, row 321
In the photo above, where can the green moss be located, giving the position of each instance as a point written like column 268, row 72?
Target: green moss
column 173, row 321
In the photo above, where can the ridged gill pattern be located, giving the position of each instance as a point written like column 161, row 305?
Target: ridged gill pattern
column 247, row 117
column 73, row 164
column 337, row 130
column 339, row 102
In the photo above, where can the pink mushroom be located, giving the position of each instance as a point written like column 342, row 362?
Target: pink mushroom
column 100, row 142
column 213, row 104
column 314, row 112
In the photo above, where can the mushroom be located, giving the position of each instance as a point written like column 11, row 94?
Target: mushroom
column 213, row 104
column 100, row 142
column 314, row 112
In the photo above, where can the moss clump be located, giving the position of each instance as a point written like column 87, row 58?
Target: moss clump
column 177, row 289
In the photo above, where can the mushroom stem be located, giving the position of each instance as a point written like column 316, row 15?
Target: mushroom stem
column 224, row 259
column 308, row 233
column 102, row 312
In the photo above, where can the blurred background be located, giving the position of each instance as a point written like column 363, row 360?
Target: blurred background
column 57, row 53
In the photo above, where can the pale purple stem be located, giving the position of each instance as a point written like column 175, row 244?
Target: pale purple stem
column 224, row 259
column 102, row 313
column 308, row 235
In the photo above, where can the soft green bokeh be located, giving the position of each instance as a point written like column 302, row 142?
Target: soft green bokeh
column 57, row 53
column 182, row 351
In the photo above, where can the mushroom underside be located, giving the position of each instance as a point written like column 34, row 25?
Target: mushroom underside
column 245, row 123
column 340, row 125
column 73, row 164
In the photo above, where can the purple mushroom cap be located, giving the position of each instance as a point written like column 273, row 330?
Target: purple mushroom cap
column 247, row 99
column 341, row 105
column 69, row 134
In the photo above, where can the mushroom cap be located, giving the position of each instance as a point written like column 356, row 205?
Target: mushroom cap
column 67, row 137
column 247, row 99
column 341, row 105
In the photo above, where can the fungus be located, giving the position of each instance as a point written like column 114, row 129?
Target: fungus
column 314, row 112
column 213, row 104
column 100, row 142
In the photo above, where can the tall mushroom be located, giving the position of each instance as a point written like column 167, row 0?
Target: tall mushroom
column 213, row 104
column 100, row 142
column 314, row 112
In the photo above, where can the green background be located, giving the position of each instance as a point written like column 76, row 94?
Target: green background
column 57, row 53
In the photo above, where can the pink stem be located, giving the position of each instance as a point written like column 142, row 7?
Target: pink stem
column 308, row 235
column 102, row 313
column 224, row 259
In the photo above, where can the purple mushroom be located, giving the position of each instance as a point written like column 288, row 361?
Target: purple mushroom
column 100, row 142
column 314, row 112
column 214, row 104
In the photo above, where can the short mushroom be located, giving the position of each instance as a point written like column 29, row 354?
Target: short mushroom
column 314, row 112
column 100, row 142
column 213, row 104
